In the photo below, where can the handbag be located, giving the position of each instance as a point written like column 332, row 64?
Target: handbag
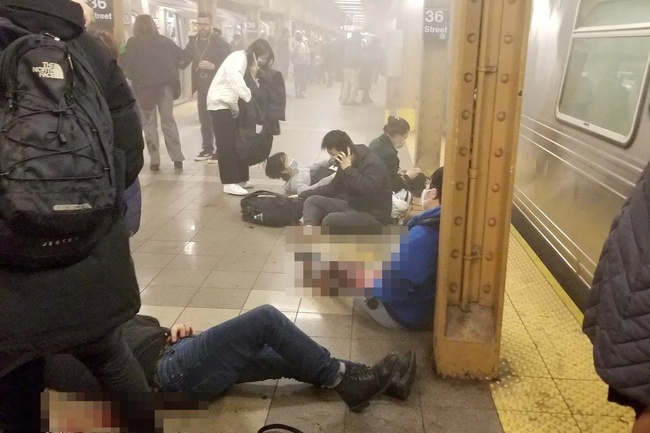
column 279, row 427
column 253, row 147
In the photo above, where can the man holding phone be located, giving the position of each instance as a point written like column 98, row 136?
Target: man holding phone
column 205, row 51
column 360, row 193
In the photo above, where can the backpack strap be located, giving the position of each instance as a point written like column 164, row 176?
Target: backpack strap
column 283, row 427
column 433, row 222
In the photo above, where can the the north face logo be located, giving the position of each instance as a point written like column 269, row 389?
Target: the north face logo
column 49, row 70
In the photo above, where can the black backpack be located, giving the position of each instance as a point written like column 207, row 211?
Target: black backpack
column 271, row 209
column 58, row 182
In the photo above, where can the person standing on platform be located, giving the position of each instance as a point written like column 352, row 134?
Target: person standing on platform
column 224, row 94
column 205, row 51
column 351, row 70
column 151, row 61
column 283, row 53
column 300, row 56
column 77, row 308
column 618, row 307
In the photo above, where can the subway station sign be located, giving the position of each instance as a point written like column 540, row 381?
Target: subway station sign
column 103, row 13
column 436, row 23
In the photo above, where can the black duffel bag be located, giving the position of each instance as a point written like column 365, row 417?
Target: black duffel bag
column 271, row 209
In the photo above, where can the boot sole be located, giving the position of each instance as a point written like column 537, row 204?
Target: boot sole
column 403, row 391
column 364, row 404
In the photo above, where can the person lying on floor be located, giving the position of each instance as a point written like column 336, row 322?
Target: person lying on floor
column 298, row 179
column 258, row 345
column 404, row 295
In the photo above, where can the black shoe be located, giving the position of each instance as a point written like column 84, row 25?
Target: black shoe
column 154, row 167
column 402, row 381
column 363, row 383
column 203, row 156
column 178, row 165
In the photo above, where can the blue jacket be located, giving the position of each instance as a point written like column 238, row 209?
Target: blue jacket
column 408, row 288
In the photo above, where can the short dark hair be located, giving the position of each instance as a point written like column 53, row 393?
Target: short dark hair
column 396, row 125
column 275, row 165
column 260, row 47
column 205, row 14
column 144, row 25
column 418, row 184
column 436, row 182
column 338, row 140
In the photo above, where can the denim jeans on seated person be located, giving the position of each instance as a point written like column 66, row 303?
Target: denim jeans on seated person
column 258, row 345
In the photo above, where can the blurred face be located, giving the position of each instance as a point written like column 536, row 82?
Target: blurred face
column 264, row 60
column 205, row 27
column 399, row 140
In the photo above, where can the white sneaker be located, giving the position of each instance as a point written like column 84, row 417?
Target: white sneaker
column 213, row 160
column 247, row 185
column 234, row 189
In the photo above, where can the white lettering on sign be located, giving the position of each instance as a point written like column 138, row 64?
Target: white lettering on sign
column 436, row 23
column 99, row 16
column 98, row 4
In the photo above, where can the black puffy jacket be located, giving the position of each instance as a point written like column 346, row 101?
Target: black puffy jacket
column 365, row 185
column 617, row 317
column 47, row 311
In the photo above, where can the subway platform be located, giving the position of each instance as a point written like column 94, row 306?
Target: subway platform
column 197, row 262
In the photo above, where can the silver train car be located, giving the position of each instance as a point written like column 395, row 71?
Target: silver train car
column 585, row 130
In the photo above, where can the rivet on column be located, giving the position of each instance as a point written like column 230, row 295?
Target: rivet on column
column 501, row 116
column 453, row 287
column 455, row 254
column 492, row 222
column 460, row 186
column 458, row 220
column 463, row 151
column 487, row 288
column 496, row 187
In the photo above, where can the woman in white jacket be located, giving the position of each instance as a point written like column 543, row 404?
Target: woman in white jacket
column 225, row 91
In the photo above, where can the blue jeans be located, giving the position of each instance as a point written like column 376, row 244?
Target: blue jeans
column 258, row 345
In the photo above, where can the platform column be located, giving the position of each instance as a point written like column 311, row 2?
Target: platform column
column 489, row 50
column 436, row 25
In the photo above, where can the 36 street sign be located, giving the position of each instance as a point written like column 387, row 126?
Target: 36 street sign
column 103, row 12
column 436, row 23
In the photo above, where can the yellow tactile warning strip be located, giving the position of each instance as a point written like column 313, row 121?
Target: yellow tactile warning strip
column 547, row 381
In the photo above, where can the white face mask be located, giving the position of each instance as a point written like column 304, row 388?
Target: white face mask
column 293, row 164
column 424, row 196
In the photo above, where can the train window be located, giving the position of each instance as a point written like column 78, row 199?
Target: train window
column 607, row 68
column 613, row 13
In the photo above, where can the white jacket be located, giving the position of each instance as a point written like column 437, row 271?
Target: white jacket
column 228, row 84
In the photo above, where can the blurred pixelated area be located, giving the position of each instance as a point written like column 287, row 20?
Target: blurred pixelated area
column 346, row 261
column 110, row 412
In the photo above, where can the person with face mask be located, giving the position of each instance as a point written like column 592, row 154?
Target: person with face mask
column 396, row 132
column 298, row 179
column 403, row 298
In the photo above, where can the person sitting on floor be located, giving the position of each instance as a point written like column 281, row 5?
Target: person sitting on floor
column 360, row 193
column 386, row 146
column 258, row 345
column 404, row 295
column 298, row 179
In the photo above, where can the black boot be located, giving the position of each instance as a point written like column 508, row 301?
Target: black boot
column 361, row 384
column 402, row 381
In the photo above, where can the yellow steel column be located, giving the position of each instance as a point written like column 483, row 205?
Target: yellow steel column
column 489, row 45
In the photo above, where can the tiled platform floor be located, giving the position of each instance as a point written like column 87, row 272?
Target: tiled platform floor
column 198, row 262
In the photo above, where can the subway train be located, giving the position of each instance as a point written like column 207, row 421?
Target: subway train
column 585, row 130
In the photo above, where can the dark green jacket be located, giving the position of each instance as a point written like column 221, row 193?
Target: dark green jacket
column 383, row 148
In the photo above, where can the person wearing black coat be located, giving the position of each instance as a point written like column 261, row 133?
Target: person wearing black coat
column 360, row 193
column 76, row 309
column 205, row 51
column 151, row 62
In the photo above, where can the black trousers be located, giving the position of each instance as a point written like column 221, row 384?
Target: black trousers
column 109, row 358
column 231, row 168
column 207, row 131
